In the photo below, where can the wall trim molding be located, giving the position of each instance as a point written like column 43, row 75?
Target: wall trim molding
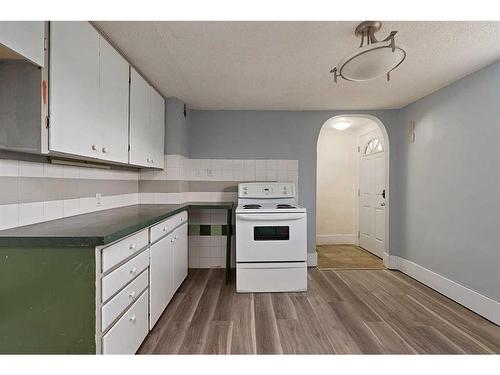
column 312, row 259
column 336, row 239
column 479, row 303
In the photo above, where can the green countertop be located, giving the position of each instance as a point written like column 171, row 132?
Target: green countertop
column 97, row 228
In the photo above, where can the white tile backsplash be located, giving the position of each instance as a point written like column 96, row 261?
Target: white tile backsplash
column 30, row 213
column 9, row 216
column 9, row 168
column 30, row 169
column 53, row 210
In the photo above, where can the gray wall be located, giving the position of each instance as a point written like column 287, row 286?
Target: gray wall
column 176, row 128
column 272, row 135
column 447, row 207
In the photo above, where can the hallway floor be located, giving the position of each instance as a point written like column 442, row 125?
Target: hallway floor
column 341, row 257
column 351, row 311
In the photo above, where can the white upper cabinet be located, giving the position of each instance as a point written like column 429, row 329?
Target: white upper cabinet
column 94, row 111
column 157, row 119
column 147, row 123
column 74, row 89
column 26, row 38
column 113, row 104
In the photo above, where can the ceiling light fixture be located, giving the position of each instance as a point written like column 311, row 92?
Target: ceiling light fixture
column 373, row 59
column 341, row 125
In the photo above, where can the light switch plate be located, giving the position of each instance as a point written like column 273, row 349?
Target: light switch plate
column 411, row 131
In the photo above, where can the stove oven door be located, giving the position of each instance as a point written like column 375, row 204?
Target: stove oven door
column 271, row 237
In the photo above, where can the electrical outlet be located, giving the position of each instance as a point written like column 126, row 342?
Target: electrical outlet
column 98, row 199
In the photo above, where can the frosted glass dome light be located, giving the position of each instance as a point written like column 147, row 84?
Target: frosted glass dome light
column 341, row 125
column 373, row 59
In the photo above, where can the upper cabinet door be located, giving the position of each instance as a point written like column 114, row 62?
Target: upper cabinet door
column 113, row 104
column 157, row 118
column 147, row 123
column 26, row 38
column 139, row 153
column 74, row 89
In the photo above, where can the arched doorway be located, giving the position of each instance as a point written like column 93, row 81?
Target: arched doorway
column 352, row 205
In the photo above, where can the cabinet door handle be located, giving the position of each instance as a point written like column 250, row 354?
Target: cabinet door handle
column 133, row 271
column 132, row 246
column 164, row 229
column 94, row 147
column 132, row 318
column 175, row 237
column 132, row 294
column 148, row 160
column 104, row 150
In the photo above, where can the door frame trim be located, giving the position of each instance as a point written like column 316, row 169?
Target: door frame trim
column 385, row 135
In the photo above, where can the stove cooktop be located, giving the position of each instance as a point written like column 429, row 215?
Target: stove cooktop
column 268, row 207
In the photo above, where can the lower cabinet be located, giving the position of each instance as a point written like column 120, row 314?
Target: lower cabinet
column 180, row 255
column 161, row 279
column 127, row 334
column 168, row 269
column 138, row 277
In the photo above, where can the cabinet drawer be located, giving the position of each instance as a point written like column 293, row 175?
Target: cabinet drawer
column 114, row 254
column 127, row 334
column 111, row 310
column 120, row 277
column 159, row 230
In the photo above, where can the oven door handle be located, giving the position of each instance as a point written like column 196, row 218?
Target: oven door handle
column 270, row 217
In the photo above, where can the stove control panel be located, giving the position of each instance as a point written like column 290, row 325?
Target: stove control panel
column 266, row 190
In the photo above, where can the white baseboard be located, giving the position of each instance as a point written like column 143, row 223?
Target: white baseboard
column 480, row 304
column 390, row 261
column 336, row 239
column 312, row 259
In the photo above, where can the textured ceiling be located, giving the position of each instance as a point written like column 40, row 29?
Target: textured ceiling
column 285, row 65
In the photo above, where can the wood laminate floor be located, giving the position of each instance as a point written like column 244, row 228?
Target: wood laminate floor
column 338, row 257
column 352, row 311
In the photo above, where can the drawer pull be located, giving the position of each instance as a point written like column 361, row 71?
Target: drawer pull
column 172, row 239
column 133, row 271
column 132, row 318
column 175, row 237
column 164, row 229
column 132, row 246
column 132, row 294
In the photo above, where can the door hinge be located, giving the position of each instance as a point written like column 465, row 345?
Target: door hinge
column 359, row 149
column 45, row 44
column 129, row 147
column 47, row 122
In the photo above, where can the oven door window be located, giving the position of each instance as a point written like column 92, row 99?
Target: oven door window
column 271, row 233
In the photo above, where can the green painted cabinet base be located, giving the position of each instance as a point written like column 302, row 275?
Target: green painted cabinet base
column 47, row 300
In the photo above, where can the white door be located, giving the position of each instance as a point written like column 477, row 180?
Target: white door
column 372, row 192
column 74, row 89
column 161, row 278
column 180, row 255
column 25, row 38
column 113, row 104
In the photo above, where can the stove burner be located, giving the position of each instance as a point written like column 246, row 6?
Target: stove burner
column 250, row 206
column 284, row 206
